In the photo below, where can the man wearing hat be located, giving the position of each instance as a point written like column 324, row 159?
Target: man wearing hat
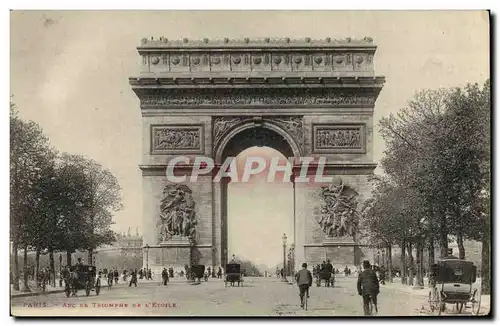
column 368, row 287
column 304, row 281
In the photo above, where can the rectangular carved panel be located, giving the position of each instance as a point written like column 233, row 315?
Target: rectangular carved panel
column 177, row 139
column 339, row 138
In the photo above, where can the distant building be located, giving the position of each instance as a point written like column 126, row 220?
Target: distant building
column 126, row 242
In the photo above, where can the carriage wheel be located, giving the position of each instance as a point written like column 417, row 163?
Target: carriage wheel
column 87, row 288
column 476, row 301
column 98, row 287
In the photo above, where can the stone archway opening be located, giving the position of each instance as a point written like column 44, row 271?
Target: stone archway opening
column 237, row 197
column 258, row 213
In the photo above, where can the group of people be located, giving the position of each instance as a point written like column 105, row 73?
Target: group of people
column 368, row 283
column 113, row 275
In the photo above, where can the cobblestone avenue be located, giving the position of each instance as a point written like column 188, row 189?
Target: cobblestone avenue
column 258, row 297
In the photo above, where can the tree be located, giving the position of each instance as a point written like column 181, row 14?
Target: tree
column 30, row 153
column 438, row 157
column 380, row 222
column 100, row 197
column 415, row 140
column 466, row 177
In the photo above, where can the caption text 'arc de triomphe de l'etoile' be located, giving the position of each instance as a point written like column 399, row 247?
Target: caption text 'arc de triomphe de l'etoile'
column 303, row 97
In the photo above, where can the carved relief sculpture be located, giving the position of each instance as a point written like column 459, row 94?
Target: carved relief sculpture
column 339, row 138
column 339, row 215
column 292, row 125
column 166, row 138
column 177, row 213
column 331, row 138
column 221, row 125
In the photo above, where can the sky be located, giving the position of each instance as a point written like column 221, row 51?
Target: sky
column 69, row 73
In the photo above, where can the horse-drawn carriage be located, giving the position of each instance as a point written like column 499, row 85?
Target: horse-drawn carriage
column 324, row 274
column 82, row 277
column 234, row 275
column 452, row 281
column 197, row 272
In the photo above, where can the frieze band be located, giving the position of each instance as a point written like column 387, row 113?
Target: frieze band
column 258, row 97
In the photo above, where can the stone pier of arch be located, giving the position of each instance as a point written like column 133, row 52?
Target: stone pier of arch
column 207, row 98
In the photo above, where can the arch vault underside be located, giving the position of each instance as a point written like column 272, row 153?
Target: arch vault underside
column 217, row 98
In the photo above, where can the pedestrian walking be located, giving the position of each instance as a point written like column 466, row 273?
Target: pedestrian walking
column 368, row 287
column 164, row 276
column 133, row 278
column 116, row 275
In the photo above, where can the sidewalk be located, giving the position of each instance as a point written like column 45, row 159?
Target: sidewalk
column 50, row 290
column 34, row 291
column 397, row 286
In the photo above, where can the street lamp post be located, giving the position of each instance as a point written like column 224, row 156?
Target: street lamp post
column 147, row 257
column 284, row 257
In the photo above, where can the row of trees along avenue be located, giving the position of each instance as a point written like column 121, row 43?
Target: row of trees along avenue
column 58, row 202
column 436, row 182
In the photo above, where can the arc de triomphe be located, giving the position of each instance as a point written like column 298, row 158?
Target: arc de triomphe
column 305, row 98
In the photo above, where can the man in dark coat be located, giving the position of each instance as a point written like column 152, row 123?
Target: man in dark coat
column 368, row 287
column 110, row 278
column 133, row 279
column 116, row 275
column 164, row 276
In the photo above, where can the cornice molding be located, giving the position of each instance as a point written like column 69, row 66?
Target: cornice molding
column 280, row 80
column 247, row 43
column 347, row 168
column 261, row 111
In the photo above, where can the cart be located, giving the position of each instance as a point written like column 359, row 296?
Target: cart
column 452, row 282
column 82, row 277
column 323, row 274
column 197, row 272
column 233, row 275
